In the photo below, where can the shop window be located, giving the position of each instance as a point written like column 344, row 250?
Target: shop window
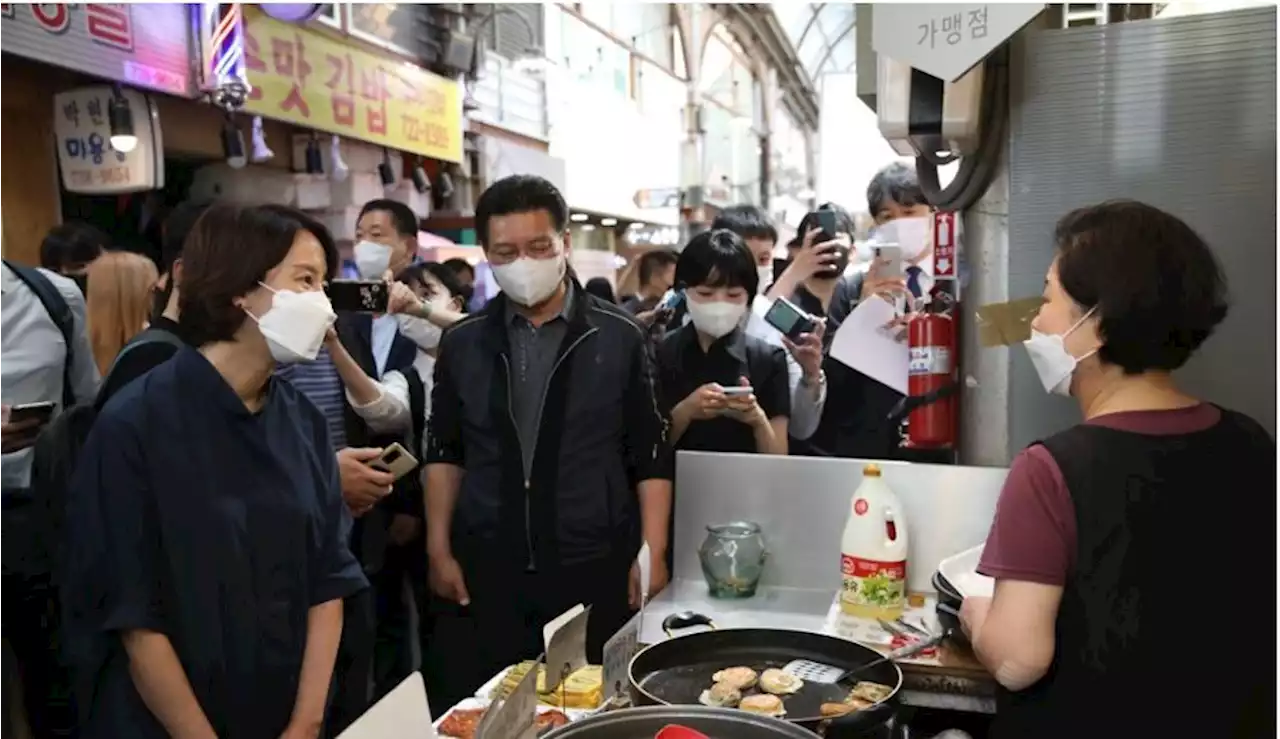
column 392, row 26
column 594, row 57
column 726, row 77
column 504, row 34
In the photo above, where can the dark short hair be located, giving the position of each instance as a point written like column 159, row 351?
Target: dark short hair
column 654, row 261
column 175, row 229
column 416, row 274
column 72, row 244
column 228, row 252
column 747, row 221
column 717, row 258
column 459, row 265
column 1154, row 284
column 896, row 183
column 519, row 193
column 402, row 218
column 601, row 288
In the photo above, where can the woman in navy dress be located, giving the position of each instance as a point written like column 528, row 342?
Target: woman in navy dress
column 207, row 535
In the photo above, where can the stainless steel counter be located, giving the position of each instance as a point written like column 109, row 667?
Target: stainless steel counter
column 802, row 503
column 953, row 684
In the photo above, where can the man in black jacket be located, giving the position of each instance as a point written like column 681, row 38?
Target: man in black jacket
column 547, row 454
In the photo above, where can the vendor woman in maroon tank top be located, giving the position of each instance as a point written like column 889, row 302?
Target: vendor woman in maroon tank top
column 1119, row 545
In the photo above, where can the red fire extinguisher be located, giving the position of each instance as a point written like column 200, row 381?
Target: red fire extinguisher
column 931, row 384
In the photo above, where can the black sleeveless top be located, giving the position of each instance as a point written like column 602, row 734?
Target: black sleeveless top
column 1153, row 636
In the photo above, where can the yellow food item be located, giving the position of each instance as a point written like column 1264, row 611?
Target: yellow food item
column 582, row 689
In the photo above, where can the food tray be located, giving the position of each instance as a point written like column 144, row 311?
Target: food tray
column 961, row 572
column 573, row 714
column 485, row 692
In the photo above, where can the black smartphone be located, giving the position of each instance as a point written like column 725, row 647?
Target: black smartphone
column 358, row 296
column 28, row 411
column 788, row 319
column 826, row 220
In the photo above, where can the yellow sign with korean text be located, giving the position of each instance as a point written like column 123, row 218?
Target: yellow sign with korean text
column 308, row 79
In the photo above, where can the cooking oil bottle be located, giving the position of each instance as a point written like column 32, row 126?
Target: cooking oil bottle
column 873, row 551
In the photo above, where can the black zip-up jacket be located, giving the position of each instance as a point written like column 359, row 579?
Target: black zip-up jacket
column 602, row 430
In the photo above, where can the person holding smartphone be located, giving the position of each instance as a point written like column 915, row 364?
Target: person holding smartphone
column 804, row 352
column 727, row 391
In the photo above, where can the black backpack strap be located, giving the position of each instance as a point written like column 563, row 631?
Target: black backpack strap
column 149, row 336
column 56, row 306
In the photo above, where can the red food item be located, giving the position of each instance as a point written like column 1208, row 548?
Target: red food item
column 675, row 731
column 550, row 719
column 461, row 723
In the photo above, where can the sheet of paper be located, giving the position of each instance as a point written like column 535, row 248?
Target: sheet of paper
column 566, row 640
column 402, row 712
column 863, row 343
column 513, row 717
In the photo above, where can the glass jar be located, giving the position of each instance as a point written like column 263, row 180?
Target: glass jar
column 732, row 557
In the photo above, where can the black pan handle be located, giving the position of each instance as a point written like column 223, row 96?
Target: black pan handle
column 947, row 609
column 857, row 723
column 685, row 620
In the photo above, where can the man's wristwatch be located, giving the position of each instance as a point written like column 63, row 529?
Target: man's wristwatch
column 425, row 307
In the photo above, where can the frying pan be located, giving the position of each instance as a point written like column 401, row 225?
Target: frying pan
column 677, row 670
column 948, row 608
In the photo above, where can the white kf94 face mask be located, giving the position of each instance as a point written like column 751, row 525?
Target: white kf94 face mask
column 530, row 281
column 295, row 324
column 372, row 259
column 716, row 318
column 1053, row 363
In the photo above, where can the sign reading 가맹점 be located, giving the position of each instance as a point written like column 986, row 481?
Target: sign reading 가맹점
column 310, row 80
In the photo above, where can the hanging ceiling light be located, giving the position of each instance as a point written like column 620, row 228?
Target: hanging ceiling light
column 421, row 182
column 314, row 162
column 233, row 143
column 261, row 152
column 120, row 117
column 385, row 170
column 339, row 168
column 444, row 186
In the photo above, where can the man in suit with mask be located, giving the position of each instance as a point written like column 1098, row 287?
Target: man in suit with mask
column 376, row 621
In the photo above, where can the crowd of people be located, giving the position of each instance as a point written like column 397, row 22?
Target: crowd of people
column 204, row 534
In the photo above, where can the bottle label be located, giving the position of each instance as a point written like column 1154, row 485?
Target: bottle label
column 868, row 582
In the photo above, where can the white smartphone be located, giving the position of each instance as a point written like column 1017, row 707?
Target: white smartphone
column 738, row 390
column 888, row 261
column 395, row 459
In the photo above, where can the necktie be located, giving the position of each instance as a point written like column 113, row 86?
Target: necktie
column 913, row 280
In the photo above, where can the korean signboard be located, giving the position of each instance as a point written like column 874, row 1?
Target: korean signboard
column 146, row 46
column 946, row 40
column 306, row 78
column 86, row 158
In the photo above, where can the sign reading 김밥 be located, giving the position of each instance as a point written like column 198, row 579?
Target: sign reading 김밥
column 86, row 159
column 308, row 79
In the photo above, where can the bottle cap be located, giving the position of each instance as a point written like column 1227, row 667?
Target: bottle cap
column 871, row 470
